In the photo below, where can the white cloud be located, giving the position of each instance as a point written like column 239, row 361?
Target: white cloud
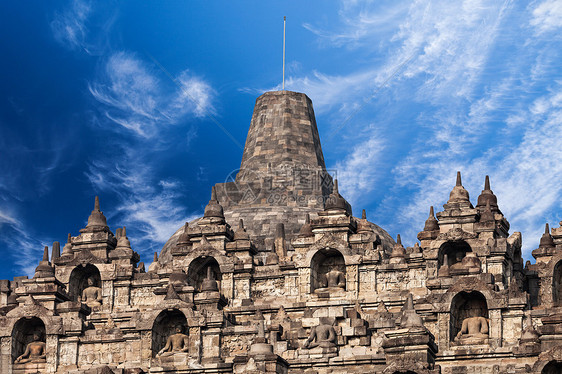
column 151, row 208
column 478, row 83
column 130, row 86
column 526, row 176
column 483, row 110
column 450, row 45
column 193, row 94
column 547, row 16
column 6, row 218
column 69, row 27
column 20, row 243
column 327, row 91
column 133, row 97
column 455, row 42
column 361, row 23
column 84, row 26
column 357, row 173
column 533, row 179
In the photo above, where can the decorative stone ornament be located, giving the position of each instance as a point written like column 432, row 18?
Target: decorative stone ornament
column 278, row 276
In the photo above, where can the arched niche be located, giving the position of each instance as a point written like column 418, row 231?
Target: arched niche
column 455, row 251
column 466, row 305
column 78, row 281
column 553, row 367
column 23, row 334
column 327, row 270
column 199, row 269
column 164, row 326
column 557, row 284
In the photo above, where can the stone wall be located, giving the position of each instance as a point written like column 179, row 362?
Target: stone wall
column 292, row 289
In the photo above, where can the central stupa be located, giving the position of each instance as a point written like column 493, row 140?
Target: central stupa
column 282, row 176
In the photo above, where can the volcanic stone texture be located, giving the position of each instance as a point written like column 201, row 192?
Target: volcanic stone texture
column 282, row 176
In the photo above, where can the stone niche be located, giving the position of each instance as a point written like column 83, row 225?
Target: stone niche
column 199, row 269
column 327, row 270
column 78, row 281
column 452, row 252
column 557, row 284
column 23, row 332
column 164, row 326
column 469, row 306
column 553, row 367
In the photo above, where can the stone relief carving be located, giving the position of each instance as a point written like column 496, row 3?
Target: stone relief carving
column 358, row 339
column 457, row 234
column 234, row 345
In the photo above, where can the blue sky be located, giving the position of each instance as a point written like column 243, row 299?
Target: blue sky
column 126, row 100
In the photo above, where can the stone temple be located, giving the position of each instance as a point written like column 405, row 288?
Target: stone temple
column 279, row 276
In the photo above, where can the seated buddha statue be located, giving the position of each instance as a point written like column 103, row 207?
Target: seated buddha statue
column 91, row 296
column 335, row 278
column 176, row 343
column 323, row 336
column 473, row 328
column 35, row 351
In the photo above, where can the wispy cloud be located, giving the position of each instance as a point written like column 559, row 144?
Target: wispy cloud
column 360, row 23
column 526, row 175
column 19, row 243
column 328, row 92
column 45, row 154
column 6, row 219
column 455, row 41
column 332, row 91
column 448, row 48
column 547, row 16
column 356, row 173
column 533, row 181
column 485, row 99
column 151, row 207
column 76, row 28
column 193, row 94
column 69, row 26
column 134, row 97
column 451, row 46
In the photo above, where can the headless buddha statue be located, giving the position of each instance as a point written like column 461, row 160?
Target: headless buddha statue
column 334, row 278
column 323, row 336
column 176, row 343
column 35, row 351
column 475, row 327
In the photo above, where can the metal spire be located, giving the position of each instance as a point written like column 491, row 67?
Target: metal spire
column 284, row 24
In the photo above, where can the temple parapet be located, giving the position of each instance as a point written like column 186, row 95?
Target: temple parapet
column 279, row 276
